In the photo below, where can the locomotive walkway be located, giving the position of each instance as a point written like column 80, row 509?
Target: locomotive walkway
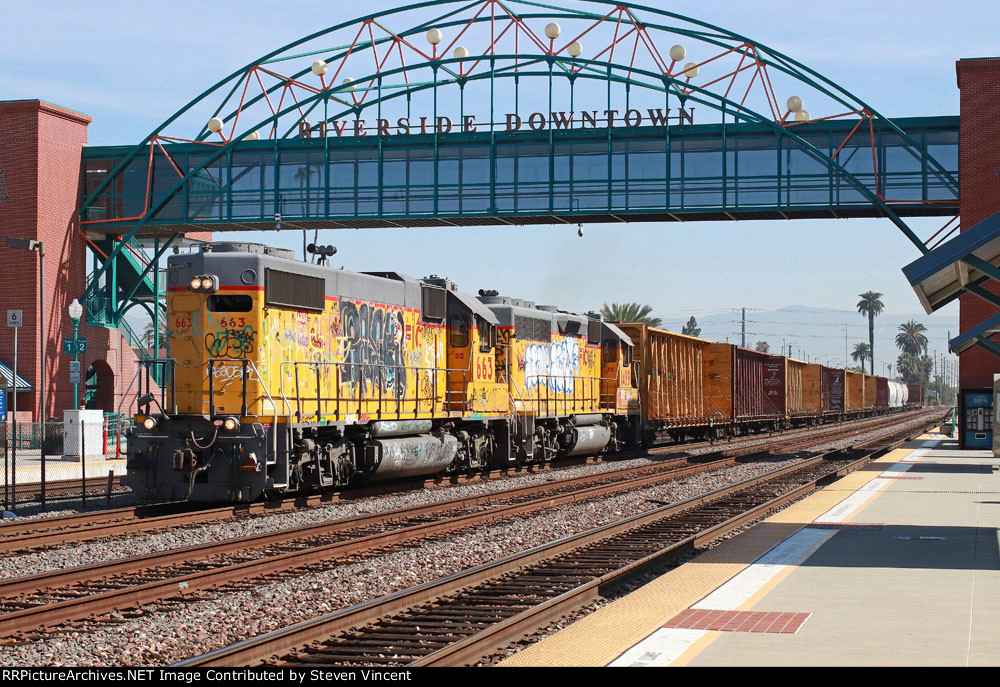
column 896, row 564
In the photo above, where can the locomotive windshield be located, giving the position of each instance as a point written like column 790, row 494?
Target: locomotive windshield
column 229, row 303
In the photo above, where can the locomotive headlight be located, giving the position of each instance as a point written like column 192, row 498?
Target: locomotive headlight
column 205, row 283
column 149, row 423
column 230, row 424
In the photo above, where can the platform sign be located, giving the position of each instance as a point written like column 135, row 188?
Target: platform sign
column 74, row 372
column 15, row 318
column 3, row 405
column 71, row 345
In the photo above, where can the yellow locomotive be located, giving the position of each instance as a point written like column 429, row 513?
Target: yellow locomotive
column 284, row 375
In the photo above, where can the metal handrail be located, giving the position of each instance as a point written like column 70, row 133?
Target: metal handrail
column 359, row 398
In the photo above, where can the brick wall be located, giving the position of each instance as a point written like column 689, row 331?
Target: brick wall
column 979, row 171
column 40, row 150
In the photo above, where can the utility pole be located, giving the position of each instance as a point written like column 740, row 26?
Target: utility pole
column 845, row 346
column 743, row 328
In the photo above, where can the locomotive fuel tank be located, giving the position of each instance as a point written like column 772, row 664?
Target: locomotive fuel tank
column 396, row 457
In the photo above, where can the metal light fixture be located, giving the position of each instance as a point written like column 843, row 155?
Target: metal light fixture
column 552, row 30
column 319, row 67
column 460, row 53
column 574, row 49
column 434, row 36
column 691, row 70
column 215, row 125
column 678, row 53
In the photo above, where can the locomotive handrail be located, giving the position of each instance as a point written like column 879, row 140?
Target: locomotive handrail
column 567, row 397
column 319, row 399
column 144, row 366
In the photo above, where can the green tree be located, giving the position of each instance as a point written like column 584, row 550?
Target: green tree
column 871, row 305
column 763, row 347
column 629, row 312
column 691, row 328
column 911, row 338
column 914, row 369
column 861, row 353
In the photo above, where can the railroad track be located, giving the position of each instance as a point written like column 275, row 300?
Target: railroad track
column 45, row 533
column 66, row 488
column 468, row 615
column 50, row 599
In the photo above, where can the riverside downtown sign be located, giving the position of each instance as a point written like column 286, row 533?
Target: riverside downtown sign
column 536, row 121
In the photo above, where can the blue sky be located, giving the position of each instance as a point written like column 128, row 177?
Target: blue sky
column 130, row 65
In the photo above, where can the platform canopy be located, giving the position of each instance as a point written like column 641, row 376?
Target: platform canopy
column 7, row 379
column 959, row 265
column 978, row 336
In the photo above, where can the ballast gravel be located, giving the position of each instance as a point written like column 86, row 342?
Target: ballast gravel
column 220, row 618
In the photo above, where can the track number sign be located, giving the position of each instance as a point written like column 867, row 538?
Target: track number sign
column 14, row 318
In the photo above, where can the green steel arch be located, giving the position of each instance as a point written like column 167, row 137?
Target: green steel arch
column 653, row 76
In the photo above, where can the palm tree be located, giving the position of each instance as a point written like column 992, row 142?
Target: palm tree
column 630, row 312
column 861, row 352
column 763, row 347
column 911, row 338
column 871, row 305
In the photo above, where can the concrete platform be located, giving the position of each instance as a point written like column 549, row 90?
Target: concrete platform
column 29, row 468
column 897, row 564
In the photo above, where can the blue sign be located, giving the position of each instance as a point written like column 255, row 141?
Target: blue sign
column 3, row 405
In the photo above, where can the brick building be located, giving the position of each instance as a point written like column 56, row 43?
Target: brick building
column 40, row 149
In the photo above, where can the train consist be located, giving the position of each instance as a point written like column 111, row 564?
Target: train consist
column 286, row 375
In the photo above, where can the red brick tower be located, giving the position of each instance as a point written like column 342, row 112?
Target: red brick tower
column 979, row 178
column 40, row 171
column 39, row 196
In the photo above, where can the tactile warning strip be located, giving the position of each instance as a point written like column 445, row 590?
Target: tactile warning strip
column 846, row 525
column 774, row 622
column 899, row 477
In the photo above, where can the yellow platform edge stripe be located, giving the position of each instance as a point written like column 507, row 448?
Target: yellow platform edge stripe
column 602, row 636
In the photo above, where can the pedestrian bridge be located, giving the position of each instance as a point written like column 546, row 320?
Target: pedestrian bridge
column 620, row 174
column 482, row 112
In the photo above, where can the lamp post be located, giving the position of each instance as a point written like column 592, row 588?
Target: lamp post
column 32, row 245
column 75, row 313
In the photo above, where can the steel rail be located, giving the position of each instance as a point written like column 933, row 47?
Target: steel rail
column 288, row 639
column 48, row 580
column 167, row 585
column 50, row 614
column 34, row 534
column 495, row 637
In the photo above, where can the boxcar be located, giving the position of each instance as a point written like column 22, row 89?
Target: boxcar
column 855, row 392
column 670, row 381
column 737, row 382
column 914, row 395
column 882, row 393
column 834, row 391
column 870, row 392
column 804, row 401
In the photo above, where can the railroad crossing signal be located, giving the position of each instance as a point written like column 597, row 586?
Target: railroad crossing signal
column 71, row 345
column 15, row 318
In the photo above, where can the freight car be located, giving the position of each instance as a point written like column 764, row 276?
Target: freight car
column 287, row 375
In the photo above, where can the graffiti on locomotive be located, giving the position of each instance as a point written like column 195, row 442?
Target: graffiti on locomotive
column 553, row 365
